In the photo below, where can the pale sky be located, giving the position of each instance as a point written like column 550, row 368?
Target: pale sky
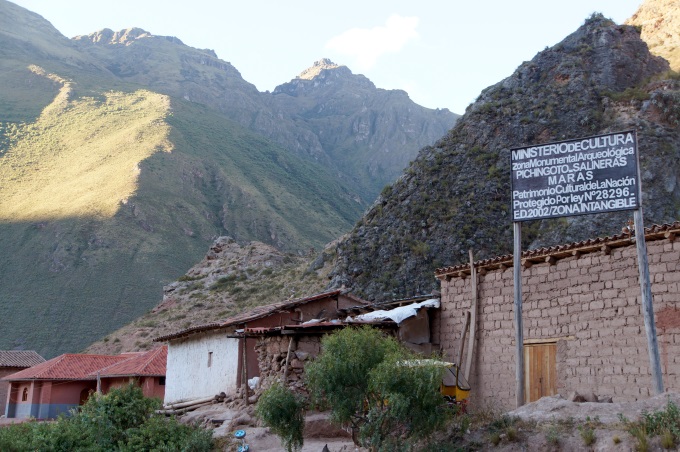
column 442, row 52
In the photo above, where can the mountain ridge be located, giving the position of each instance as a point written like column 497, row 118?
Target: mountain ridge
column 594, row 81
column 455, row 195
column 90, row 261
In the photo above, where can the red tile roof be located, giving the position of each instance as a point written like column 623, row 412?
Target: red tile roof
column 19, row 358
column 67, row 367
column 626, row 238
column 254, row 314
column 148, row 364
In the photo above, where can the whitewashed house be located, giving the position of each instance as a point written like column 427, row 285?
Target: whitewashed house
column 206, row 360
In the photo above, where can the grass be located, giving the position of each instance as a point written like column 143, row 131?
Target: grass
column 552, row 436
column 663, row 423
column 587, row 435
column 81, row 158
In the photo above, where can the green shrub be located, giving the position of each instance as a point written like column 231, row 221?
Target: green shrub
column 161, row 434
column 282, row 411
column 122, row 420
column 368, row 381
column 658, row 422
column 552, row 436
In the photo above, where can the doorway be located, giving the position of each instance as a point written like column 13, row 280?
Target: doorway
column 540, row 370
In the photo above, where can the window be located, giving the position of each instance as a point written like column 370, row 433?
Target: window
column 24, row 395
column 161, row 381
column 209, row 359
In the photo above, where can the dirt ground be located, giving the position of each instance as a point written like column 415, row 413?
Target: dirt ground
column 556, row 424
column 319, row 432
column 549, row 424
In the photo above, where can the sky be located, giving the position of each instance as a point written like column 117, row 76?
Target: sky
column 443, row 53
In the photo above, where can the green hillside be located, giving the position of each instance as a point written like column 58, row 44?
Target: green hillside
column 123, row 155
column 106, row 198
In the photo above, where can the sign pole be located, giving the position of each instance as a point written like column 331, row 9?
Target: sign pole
column 519, row 329
column 647, row 308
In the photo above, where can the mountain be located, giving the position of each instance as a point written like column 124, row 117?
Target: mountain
column 361, row 127
column 327, row 114
column 659, row 22
column 455, row 195
column 230, row 279
column 123, row 155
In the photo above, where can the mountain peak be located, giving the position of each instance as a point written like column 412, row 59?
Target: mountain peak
column 317, row 67
column 123, row 37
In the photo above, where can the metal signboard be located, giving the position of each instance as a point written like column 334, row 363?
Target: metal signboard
column 575, row 177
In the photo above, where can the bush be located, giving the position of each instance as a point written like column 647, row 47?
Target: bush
column 122, row 420
column 283, row 412
column 367, row 380
column 161, row 434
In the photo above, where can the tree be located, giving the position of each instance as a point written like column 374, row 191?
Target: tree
column 372, row 383
column 283, row 412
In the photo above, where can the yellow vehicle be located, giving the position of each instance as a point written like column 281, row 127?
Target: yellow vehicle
column 454, row 386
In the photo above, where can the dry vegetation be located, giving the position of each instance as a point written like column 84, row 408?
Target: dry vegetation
column 81, row 157
column 229, row 282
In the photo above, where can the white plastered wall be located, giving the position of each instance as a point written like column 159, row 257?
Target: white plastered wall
column 194, row 372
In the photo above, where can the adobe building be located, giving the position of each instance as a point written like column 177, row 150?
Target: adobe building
column 12, row 361
column 53, row 387
column 583, row 326
column 209, row 359
column 48, row 389
column 282, row 351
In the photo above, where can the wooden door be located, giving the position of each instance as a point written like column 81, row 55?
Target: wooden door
column 540, row 371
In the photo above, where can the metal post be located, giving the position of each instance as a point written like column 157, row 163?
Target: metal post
column 647, row 307
column 519, row 330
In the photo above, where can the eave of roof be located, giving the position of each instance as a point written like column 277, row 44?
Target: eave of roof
column 552, row 253
column 254, row 314
column 308, row 328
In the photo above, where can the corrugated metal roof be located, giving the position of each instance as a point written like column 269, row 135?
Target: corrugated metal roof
column 19, row 358
column 148, row 364
column 67, row 367
column 253, row 314
column 626, row 238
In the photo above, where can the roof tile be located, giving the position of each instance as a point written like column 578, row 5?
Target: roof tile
column 67, row 367
column 149, row 364
column 19, row 358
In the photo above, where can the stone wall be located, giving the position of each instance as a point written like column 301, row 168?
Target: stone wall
column 271, row 355
column 588, row 304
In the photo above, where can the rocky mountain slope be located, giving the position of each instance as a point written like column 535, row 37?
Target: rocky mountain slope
column 230, row 279
column 339, row 119
column 455, row 195
column 347, row 125
column 659, row 22
column 123, row 155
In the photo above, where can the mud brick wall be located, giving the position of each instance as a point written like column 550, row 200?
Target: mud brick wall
column 590, row 305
